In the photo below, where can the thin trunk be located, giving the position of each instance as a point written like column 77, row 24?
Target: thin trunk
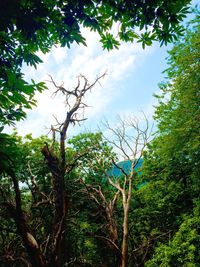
column 36, row 257
column 124, row 262
column 31, row 245
column 126, row 207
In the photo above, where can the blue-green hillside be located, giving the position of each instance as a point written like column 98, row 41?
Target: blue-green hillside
column 126, row 166
column 117, row 172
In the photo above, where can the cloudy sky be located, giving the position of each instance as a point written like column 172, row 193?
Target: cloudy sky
column 132, row 77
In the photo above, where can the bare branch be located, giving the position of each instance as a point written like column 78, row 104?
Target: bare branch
column 131, row 146
column 120, row 168
column 116, row 185
column 108, row 240
column 115, row 198
column 42, row 202
column 60, row 88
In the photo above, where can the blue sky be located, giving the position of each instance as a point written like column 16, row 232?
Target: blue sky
column 132, row 77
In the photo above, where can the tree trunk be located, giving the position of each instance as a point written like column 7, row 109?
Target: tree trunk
column 61, row 206
column 124, row 262
column 31, row 245
column 36, row 257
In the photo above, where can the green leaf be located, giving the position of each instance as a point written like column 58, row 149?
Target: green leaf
column 109, row 42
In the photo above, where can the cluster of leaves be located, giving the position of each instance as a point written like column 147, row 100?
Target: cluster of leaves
column 183, row 247
column 23, row 155
column 37, row 202
column 27, row 27
column 164, row 218
column 170, row 201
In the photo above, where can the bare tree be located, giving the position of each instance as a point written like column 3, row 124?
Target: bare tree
column 58, row 164
column 49, row 252
column 129, row 138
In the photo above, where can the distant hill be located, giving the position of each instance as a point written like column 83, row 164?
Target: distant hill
column 126, row 166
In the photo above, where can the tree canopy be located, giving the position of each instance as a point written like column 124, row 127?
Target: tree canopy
column 173, row 160
column 61, row 206
column 27, row 27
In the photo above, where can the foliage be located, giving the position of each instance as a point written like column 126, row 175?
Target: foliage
column 8, row 151
column 38, row 203
column 29, row 167
column 84, row 225
column 183, row 248
column 27, row 27
column 98, row 161
column 172, row 163
column 178, row 113
column 164, row 211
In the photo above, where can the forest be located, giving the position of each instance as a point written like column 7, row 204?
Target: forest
column 124, row 196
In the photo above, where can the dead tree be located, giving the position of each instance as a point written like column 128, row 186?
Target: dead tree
column 58, row 164
column 129, row 138
column 50, row 255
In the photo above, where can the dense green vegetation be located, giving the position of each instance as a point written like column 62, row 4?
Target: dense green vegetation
column 173, row 160
column 60, row 205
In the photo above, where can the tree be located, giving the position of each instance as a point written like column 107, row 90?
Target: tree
column 96, row 194
column 163, row 214
column 31, row 26
column 172, row 163
column 130, row 139
column 132, row 147
column 184, row 246
column 48, row 250
column 90, row 221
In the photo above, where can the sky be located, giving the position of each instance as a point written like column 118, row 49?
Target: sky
column 132, row 78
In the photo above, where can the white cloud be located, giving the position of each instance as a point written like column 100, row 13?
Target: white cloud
column 65, row 64
column 59, row 53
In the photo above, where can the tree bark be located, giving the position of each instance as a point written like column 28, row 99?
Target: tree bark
column 31, row 245
column 124, row 262
column 61, row 206
column 126, row 207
